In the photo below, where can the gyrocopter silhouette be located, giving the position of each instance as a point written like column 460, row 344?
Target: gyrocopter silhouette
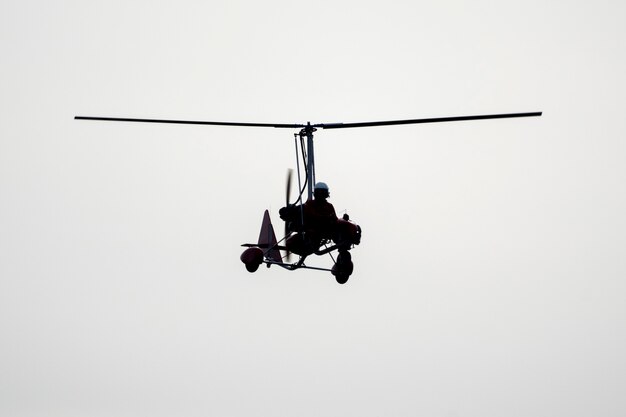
column 312, row 226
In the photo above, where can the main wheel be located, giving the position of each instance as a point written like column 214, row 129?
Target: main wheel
column 252, row 258
column 342, row 279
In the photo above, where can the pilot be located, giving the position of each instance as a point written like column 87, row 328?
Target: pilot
column 320, row 219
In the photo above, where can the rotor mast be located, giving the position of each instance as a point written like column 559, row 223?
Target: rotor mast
column 310, row 152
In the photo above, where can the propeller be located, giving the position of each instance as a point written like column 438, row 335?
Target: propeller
column 287, row 197
column 288, row 188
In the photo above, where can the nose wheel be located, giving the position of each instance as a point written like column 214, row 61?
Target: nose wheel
column 343, row 267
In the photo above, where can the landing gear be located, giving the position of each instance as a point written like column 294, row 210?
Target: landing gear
column 343, row 267
column 342, row 279
column 252, row 258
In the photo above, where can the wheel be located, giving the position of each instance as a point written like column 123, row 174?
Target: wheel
column 252, row 258
column 343, row 267
column 252, row 267
column 342, row 279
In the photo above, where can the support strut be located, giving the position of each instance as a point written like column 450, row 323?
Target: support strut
column 308, row 131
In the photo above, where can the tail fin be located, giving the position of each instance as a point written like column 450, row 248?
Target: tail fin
column 267, row 239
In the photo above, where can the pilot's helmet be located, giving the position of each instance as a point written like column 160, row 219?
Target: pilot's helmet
column 321, row 190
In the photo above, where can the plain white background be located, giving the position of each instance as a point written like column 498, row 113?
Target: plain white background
column 490, row 279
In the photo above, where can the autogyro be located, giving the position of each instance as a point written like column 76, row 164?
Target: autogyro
column 311, row 226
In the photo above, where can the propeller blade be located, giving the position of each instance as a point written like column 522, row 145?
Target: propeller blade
column 288, row 189
column 189, row 122
column 287, row 196
column 430, row 120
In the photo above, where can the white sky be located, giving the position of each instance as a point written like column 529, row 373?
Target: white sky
column 490, row 279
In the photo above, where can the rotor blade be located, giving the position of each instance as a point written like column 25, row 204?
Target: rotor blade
column 189, row 122
column 431, row 120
